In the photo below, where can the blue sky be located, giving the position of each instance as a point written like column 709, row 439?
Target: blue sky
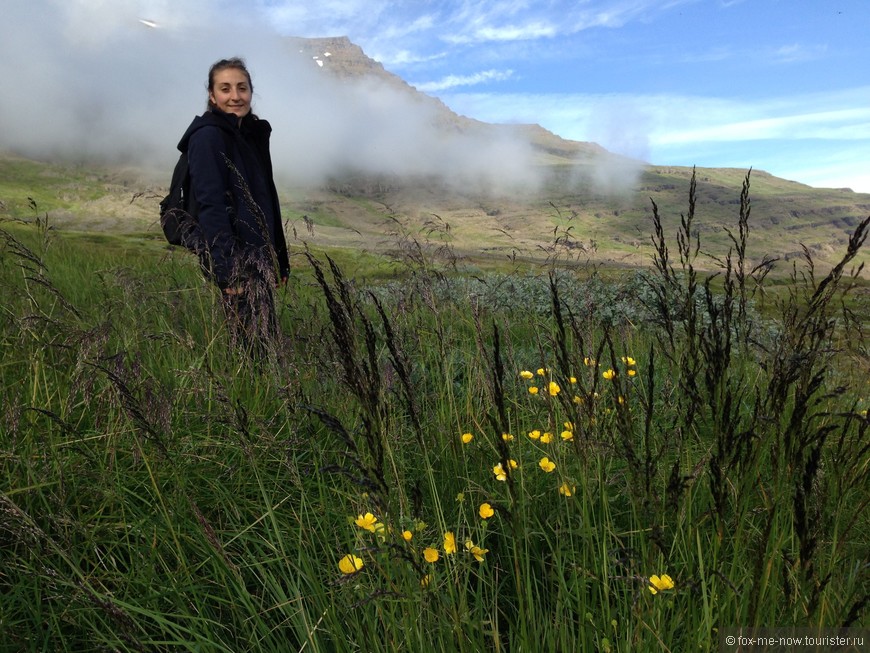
column 778, row 85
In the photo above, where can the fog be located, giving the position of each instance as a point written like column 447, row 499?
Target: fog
column 623, row 128
column 118, row 82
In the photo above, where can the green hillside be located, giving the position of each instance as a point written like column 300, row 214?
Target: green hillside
column 569, row 213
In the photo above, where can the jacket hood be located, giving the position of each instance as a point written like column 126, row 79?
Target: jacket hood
column 213, row 118
column 226, row 121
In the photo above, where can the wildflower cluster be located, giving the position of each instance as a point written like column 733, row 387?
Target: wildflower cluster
column 546, row 458
column 352, row 563
column 630, row 369
column 548, row 385
column 541, row 384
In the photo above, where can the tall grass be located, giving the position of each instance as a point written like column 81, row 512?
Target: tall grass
column 161, row 490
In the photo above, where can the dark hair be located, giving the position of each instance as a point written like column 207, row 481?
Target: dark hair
column 233, row 62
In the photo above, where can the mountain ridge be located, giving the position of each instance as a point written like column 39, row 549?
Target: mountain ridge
column 346, row 60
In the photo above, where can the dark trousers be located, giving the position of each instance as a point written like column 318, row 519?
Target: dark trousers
column 251, row 317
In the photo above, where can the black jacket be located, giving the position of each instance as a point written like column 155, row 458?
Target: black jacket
column 235, row 233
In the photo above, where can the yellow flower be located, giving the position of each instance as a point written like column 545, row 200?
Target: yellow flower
column 507, row 437
column 424, row 582
column 547, row 465
column 541, row 371
column 546, row 438
column 573, row 380
column 660, row 583
column 533, row 390
column 485, row 511
column 568, row 426
column 608, row 374
column 525, row 374
column 367, row 522
column 567, row 436
column 431, row 555
column 407, row 535
column 628, row 360
column 475, row 550
column 566, row 490
column 535, row 435
column 350, row 564
column 620, row 400
column 553, row 389
column 499, row 472
column 449, row 543
column 467, row 437
column 588, row 362
column 578, row 399
column 632, row 372
column 513, row 463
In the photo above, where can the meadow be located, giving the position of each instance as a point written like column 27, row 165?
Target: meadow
column 434, row 456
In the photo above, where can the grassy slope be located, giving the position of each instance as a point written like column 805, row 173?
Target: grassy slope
column 80, row 196
column 604, row 229
column 379, row 215
column 160, row 492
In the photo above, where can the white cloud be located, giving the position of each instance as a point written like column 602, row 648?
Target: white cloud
column 846, row 124
column 799, row 52
column 482, row 22
column 454, row 81
column 406, row 57
column 487, row 33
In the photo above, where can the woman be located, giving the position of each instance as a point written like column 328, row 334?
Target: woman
column 241, row 240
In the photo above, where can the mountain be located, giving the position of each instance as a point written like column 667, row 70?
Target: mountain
column 344, row 59
column 590, row 204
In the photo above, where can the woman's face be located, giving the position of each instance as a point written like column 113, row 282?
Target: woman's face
column 231, row 92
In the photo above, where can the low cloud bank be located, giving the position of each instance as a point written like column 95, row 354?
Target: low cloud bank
column 119, row 83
